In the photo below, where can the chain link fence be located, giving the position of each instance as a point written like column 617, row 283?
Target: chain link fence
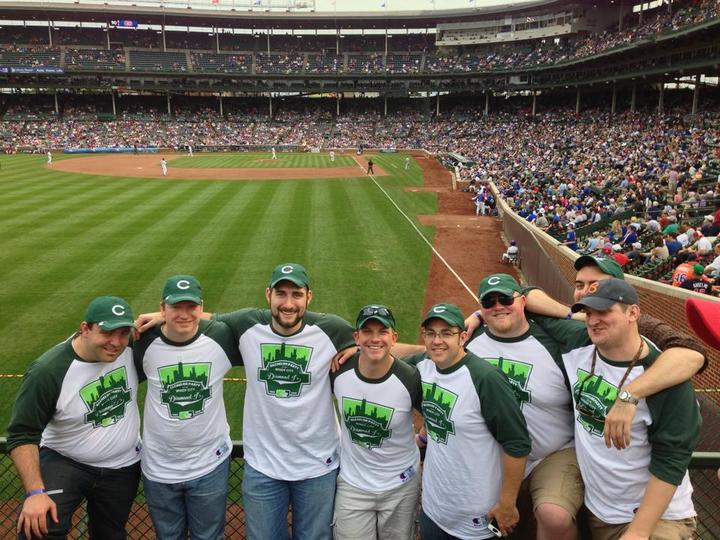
column 703, row 473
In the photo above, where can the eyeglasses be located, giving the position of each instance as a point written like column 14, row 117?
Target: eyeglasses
column 489, row 301
column 445, row 335
column 370, row 311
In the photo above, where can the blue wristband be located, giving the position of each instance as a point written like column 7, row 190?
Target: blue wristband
column 569, row 316
column 34, row 492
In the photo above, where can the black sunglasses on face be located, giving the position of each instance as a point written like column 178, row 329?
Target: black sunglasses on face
column 489, row 301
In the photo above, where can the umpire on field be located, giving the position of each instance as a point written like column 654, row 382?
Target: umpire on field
column 74, row 432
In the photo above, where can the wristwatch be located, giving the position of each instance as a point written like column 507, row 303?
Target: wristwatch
column 627, row 397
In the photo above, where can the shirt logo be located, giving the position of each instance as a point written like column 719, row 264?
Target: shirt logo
column 594, row 396
column 185, row 389
column 518, row 373
column 284, row 369
column 106, row 398
column 367, row 422
column 437, row 407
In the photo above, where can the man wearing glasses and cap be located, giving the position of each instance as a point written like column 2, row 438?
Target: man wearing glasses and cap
column 477, row 437
column 186, row 436
column 644, row 490
column 531, row 361
column 74, row 432
column 379, row 481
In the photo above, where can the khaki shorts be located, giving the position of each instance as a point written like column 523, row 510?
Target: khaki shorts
column 680, row 529
column 556, row 480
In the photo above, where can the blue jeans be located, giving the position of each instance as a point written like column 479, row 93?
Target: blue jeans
column 197, row 506
column 266, row 502
column 109, row 494
column 430, row 531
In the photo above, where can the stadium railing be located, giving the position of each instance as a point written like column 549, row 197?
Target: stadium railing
column 702, row 473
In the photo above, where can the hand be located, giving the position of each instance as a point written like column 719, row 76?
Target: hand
column 341, row 357
column 146, row 321
column 617, row 424
column 472, row 323
column 33, row 517
column 507, row 517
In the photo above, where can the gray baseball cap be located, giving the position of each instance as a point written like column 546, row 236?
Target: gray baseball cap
column 606, row 293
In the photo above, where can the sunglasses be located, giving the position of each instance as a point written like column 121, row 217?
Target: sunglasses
column 381, row 311
column 490, row 301
column 582, row 408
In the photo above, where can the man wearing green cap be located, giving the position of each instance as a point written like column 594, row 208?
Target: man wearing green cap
column 379, row 481
column 74, row 431
column 186, row 436
column 290, row 431
column 682, row 356
column 477, row 437
column 531, row 360
column 642, row 491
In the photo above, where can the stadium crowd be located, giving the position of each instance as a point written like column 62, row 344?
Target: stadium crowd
column 286, row 54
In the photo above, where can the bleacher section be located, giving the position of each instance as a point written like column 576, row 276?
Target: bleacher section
column 141, row 60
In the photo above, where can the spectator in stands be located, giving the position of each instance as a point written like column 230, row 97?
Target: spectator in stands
column 571, row 237
column 672, row 244
column 698, row 282
column 659, row 252
column 682, row 272
column 709, row 227
column 594, row 243
column 619, row 256
column 716, row 261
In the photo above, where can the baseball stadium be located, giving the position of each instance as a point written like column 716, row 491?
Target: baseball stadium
column 394, row 151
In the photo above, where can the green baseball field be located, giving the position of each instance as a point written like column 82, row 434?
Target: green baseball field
column 68, row 237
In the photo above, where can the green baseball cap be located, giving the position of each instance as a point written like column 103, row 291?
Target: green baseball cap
column 292, row 272
column 606, row 265
column 182, row 288
column 377, row 312
column 500, row 283
column 109, row 313
column 449, row 313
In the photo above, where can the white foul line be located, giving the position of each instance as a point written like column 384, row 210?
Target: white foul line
column 435, row 251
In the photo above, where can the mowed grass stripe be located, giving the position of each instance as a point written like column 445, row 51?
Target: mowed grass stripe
column 95, row 262
column 261, row 161
column 71, row 236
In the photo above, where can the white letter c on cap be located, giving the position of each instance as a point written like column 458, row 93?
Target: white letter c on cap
column 118, row 310
column 287, row 269
column 183, row 284
column 493, row 280
column 439, row 309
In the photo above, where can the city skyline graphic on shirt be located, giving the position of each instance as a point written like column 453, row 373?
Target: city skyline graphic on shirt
column 593, row 399
column 367, row 422
column 106, row 398
column 284, row 369
column 437, row 406
column 518, row 373
column 184, row 388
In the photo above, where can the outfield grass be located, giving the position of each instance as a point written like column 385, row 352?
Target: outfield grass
column 68, row 238
column 263, row 160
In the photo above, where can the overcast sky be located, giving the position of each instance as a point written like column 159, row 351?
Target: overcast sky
column 400, row 5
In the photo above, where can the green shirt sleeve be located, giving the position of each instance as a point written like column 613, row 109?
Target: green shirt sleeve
column 337, row 329
column 500, row 408
column 414, row 359
column 410, row 378
column 674, row 432
column 35, row 403
column 568, row 334
column 241, row 320
column 221, row 334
